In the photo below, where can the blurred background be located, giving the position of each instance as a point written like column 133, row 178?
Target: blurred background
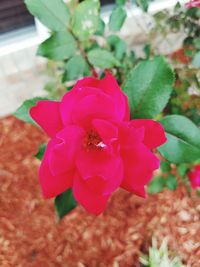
column 22, row 74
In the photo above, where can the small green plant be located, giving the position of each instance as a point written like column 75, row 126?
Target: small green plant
column 160, row 257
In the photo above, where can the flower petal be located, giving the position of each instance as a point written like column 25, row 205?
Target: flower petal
column 154, row 134
column 53, row 185
column 62, row 155
column 92, row 164
column 110, row 86
column 71, row 99
column 92, row 202
column 47, row 114
column 139, row 164
column 106, row 130
column 106, row 89
column 94, row 106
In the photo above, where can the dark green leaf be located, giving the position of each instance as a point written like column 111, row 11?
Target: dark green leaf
column 177, row 6
column 117, row 45
column 61, row 45
column 52, row 13
column 183, row 144
column 22, row 112
column 148, row 87
column 41, row 151
column 156, row 185
column 171, row 182
column 117, row 19
column 102, row 59
column 144, row 4
column 100, row 28
column 85, row 19
column 165, row 166
column 75, row 67
column 147, row 50
column 64, row 203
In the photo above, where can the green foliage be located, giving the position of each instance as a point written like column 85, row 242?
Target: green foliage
column 183, row 144
column 120, row 2
column 147, row 50
column 182, row 169
column 171, row 182
column 160, row 257
column 117, row 19
column 75, row 68
column 156, row 185
column 118, row 46
column 143, row 4
column 102, row 58
column 41, row 151
column 101, row 27
column 64, row 203
column 165, row 166
column 85, row 19
column 22, row 112
column 197, row 42
column 54, row 13
column 61, row 45
column 148, row 87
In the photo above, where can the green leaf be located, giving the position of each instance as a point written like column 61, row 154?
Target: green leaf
column 182, row 169
column 41, row 151
column 86, row 19
column 52, row 13
column 148, row 87
column 120, row 2
column 196, row 60
column 101, row 28
column 61, row 45
column 75, row 68
column 102, row 59
column 156, row 185
column 22, row 112
column 147, row 50
column 117, row 19
column 183, row 144
column 144, row 4
column 165, row 166
column 197, row 43
column 171, row 182
column 64, row 203
column 118, row 45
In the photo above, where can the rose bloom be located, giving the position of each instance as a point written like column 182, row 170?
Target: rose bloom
column 194, row 177
column 94, row 147
column 193, row 3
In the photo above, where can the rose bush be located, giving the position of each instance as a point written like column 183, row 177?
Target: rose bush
column 95, row 147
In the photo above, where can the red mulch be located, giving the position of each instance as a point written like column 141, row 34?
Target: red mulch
column 31, row 237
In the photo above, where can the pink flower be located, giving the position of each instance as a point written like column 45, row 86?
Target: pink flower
column 194, row 177
column 193, row 3
column 94, row 147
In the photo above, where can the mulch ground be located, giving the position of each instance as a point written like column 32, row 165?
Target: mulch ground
column 30, row 235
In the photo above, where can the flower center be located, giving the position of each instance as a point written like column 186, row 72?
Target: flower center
column 93, row 141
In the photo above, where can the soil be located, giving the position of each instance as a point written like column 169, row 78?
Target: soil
column 30, row 235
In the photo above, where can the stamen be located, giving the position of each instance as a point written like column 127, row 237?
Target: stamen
column 93, row 141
